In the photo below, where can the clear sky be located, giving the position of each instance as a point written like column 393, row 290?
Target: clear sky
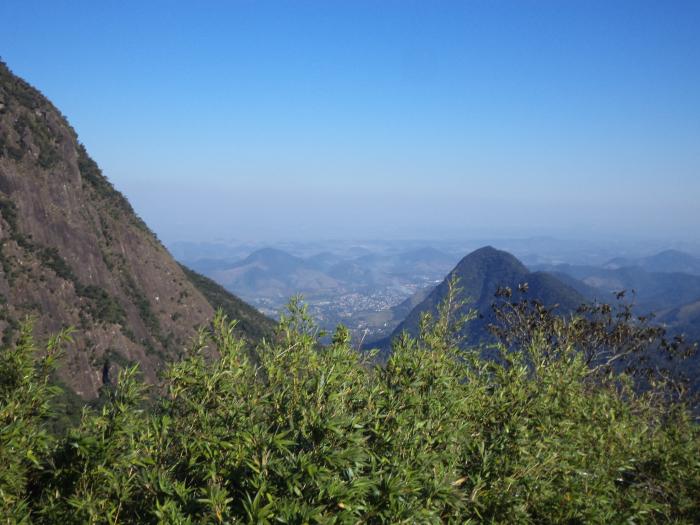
column 330, row 119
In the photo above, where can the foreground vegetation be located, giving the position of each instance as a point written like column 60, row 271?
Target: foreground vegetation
column 295, row 432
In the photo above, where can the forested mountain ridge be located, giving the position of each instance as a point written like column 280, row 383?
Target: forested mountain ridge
column 74, row 253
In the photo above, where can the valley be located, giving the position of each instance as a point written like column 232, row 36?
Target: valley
column 372, row 286
column 369, row 287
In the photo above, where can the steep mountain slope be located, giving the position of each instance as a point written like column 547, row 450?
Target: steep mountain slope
column 480, row 274
column 74, row 253
column 403, row 309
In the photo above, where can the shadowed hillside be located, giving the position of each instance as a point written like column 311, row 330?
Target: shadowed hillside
column 480, row 275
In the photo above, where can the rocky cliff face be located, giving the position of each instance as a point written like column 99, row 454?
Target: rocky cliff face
column 74, row 253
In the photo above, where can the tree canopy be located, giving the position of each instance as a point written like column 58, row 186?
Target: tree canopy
column 293, row 431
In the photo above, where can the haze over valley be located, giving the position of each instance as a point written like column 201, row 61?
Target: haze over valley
column 371, row 286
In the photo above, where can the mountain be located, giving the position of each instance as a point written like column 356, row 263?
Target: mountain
column 667, row 261
column 272, row 259
column 618, row 262
column 653, row 291
column 684, row 319
column 74, row 253
column 426, row 260
column 270, row 273
column 426, row 256
column 340, row 283
column 480, row 274
column 353, row 272
column 672, row 261
column 323, row 261
column 589, row 292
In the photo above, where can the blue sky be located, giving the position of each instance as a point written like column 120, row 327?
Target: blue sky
column 307, row 120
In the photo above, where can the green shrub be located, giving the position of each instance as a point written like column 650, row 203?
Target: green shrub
column 144, row 306
column 25, row 401
column 50, row 258
column 103, row 306
column 296, row 432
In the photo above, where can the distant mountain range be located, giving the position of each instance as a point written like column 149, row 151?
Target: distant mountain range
column 74, row 253
column 668, row 261
column 331, row 281
column 360, row 288
column 666, row 284
column 274, row 274
column 651, row 291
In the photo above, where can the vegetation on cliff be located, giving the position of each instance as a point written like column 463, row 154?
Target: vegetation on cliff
column 304, row 433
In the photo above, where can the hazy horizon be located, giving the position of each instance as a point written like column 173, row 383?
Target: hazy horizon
column 311, row 120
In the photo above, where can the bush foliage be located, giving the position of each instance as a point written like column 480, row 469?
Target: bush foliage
column 296, row 432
